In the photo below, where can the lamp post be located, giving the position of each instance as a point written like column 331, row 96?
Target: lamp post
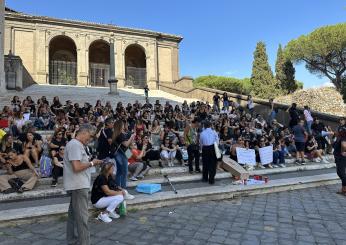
column 113, row 82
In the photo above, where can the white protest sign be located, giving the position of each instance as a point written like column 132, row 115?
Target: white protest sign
column 246, row 156
column 266, row 154
column 26, row 116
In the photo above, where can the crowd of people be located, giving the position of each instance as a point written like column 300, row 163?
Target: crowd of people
column 124, row 141
column 132, row 136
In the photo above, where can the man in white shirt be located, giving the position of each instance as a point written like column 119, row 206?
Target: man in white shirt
column 207, row 139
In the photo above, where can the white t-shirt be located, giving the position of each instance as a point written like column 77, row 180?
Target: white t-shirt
column 75, row 150
column 308, row 116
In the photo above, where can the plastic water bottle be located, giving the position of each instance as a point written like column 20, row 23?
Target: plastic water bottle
column 122, row 209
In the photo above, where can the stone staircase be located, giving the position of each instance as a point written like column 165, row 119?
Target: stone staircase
column 89, row 94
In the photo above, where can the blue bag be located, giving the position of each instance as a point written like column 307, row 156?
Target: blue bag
column 148, row 188
column 46, row 166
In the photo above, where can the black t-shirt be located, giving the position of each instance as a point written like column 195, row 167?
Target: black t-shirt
column 103, row 148
column 216, row 98
column 119, row 140
column 97, row 192
column 16, row 146
column 59, row 143
column 309, row 144
column 22, row 137
column 337, row 148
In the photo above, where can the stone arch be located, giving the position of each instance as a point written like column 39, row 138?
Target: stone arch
column 99, row 62
column 135, row 65
column 62, row 57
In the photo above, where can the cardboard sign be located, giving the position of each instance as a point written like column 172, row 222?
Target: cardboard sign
column 266, row 154
column 246, row 156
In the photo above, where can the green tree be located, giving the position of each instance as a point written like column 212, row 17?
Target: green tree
column 324, row 53
column 285, row 73
column 262, row 80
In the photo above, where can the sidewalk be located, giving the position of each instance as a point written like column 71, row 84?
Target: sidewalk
column 309, row 216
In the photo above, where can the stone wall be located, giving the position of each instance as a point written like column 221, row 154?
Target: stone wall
column 261, row 106
column 29, row 37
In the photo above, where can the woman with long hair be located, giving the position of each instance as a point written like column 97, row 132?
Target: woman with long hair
column 18, row 166
column 103, row 195
column 121, row 141
column 32, row 148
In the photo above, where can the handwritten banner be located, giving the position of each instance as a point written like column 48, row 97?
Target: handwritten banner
column 246, row 156
column 266, row 154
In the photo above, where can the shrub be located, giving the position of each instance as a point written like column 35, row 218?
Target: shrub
column 228, row 84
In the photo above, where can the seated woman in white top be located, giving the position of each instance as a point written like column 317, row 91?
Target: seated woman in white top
column 104, row 195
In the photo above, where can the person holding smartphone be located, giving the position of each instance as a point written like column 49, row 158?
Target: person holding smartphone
column 77, row 179
column 121, row 141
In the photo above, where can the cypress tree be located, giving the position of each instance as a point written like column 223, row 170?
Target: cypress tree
column 262, row 80
column 285, row 73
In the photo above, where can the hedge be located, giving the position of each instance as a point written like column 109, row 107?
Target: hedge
column 229, row 84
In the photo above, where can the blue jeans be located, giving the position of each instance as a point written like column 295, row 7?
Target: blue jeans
column 278, row 156
column 122, row 169
column 308, row 126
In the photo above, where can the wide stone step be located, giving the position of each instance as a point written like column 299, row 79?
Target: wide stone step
column 167, row 198
column 43, row 190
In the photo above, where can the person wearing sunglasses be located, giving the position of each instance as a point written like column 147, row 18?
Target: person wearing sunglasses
column 58, row 166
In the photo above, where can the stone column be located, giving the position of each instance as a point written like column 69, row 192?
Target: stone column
column 120, row 63
column 2, row 32
column 82, row 60
column 113, row 83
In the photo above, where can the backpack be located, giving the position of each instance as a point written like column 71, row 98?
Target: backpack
column 46, row 166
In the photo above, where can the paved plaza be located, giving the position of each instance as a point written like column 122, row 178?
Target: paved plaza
column 308, row 216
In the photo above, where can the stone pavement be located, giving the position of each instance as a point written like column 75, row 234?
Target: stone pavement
column 308, row 216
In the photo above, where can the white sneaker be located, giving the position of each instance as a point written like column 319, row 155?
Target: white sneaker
column 141, row 176
column 104, row 217
column 128, row 196
column 114, row 215
column 282, row 165
column 275, row 166
column 270, row 166
column 133, row 178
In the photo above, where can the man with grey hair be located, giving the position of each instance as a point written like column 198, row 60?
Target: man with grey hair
column 77, row 179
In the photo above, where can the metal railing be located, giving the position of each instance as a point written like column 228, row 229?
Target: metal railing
column 98, row 74
column 62, row 72
column 136, row 77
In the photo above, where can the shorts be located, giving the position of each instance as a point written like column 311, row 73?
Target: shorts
column 300, row 146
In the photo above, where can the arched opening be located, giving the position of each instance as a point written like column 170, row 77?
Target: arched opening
column 62, row 61
column 99, row 60
column 135, row 66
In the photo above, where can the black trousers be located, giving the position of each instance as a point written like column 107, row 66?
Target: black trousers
column 341, row 169
column 209, row 163
column 152, row 155
column 57, row 172
column 193, row 153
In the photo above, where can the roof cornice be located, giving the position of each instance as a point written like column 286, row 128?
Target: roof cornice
column 90, row 25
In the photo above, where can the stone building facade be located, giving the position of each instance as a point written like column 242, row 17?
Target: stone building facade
column 56, row 51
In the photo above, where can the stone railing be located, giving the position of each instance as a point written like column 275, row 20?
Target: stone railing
column 261, row 106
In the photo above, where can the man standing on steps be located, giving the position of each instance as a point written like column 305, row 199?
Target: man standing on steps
column 207, row 139
column 77, row 180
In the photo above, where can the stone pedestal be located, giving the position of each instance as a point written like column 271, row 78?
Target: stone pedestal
column 13, row 72
column 113, row 86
